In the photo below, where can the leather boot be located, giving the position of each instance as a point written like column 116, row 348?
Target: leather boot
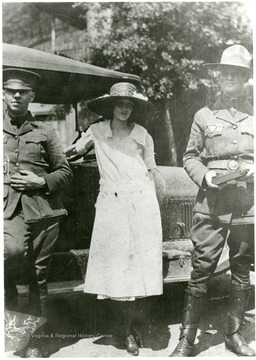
column 124, row 311
column 11, row 297
column 34, row 299
column 234, row 341
column 131, row 345
column 38, row 295
column 191, row 316
column 137, row 337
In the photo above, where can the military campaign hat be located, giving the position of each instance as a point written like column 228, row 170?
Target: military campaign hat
column 19, row 79
column 235, row 55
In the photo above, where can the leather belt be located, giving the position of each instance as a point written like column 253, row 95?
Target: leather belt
column 230, row 164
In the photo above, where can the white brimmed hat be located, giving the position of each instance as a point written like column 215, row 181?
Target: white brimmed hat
column 235, row 55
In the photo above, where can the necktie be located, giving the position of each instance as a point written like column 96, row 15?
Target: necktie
column 233, row 108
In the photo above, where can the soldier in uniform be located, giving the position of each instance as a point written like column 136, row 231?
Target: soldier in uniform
column 35, row 171
column 221, row 143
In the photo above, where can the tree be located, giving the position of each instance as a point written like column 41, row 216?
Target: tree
column 166, row 45
column 30, row 24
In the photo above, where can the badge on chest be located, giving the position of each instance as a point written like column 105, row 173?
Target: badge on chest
column 214, row 130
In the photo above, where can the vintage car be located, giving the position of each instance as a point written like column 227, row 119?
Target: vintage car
column 67, row 81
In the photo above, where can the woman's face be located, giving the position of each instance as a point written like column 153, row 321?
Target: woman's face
column 232, row 81
column 123, row 109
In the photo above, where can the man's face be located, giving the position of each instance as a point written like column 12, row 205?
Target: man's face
column 232, row 81
column 17, row 101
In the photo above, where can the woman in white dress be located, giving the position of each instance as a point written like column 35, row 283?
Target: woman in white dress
column 125, row 261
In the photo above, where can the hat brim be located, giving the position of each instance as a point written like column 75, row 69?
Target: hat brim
column 104, row 106
column 18, row 87
column 20, row 79
column 216, row 66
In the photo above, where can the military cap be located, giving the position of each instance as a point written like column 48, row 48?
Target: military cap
column 19, row 79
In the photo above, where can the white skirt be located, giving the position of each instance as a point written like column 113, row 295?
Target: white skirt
column 125, row 257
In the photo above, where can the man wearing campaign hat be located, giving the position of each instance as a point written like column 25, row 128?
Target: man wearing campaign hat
column 35, row 171
column 219, row 159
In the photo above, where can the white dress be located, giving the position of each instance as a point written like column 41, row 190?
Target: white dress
column 125, row 259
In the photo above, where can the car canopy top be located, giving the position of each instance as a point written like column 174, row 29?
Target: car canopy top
column 63, row 80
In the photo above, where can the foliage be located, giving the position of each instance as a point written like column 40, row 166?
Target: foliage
column 30, row 24
column 60, row 111
column 19, row 23
column 166, row 43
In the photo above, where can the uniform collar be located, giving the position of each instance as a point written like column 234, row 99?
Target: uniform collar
column 236, row 102
column 242, row 105
column 28, row 124
column 138, row 132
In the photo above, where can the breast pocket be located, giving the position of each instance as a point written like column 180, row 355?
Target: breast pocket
column 213, row 130
column 247, row 129
column 214, row 138
column 35, row 146
column 247, row 135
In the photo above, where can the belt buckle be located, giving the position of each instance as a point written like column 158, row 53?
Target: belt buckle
column 233, row 164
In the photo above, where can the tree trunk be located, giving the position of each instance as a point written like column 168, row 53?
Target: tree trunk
column 172, row 151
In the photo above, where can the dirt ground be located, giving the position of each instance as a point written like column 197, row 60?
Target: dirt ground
column 80, row 326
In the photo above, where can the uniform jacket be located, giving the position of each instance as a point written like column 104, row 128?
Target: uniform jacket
column 34, row 147
column 217, row 135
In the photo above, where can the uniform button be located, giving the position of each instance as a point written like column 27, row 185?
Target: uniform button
column 235, row 157
column 16, row 136
column 16, row 151
column 17, row 164
column 234, row 127
column 234, row 142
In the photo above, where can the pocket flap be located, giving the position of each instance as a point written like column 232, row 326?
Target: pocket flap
column 213, row 130
column 247, row 129
column 35, row 139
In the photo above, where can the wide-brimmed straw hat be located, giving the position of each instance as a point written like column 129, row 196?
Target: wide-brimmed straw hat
column 235, row 55
column 104, row 105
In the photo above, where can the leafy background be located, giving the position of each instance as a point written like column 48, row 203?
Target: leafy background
column 165, row 43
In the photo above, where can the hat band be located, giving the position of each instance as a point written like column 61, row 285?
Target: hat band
column 235, row 64
column 123, row 89
column 122, row 93
column 17, row 84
